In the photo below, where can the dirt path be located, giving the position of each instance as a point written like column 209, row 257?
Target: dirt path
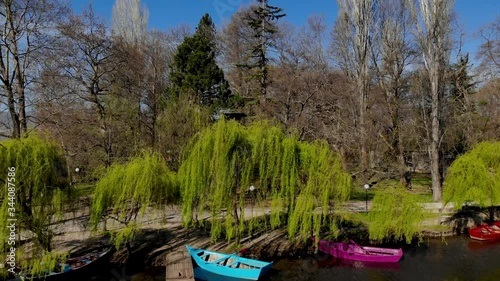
column 163, row 233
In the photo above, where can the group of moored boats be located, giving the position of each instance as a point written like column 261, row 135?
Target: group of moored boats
column 235, row 266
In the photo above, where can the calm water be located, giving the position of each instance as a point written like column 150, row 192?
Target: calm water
column 456, row 259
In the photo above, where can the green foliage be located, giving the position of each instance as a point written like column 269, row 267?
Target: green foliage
column 47, row 262
column 475, row 177
column 180, row 121
column 125, row 234
column 395, row 212
column 39, row 180
column 262, row 21
column 226, row 159
column 195, row 70
column 127, row 190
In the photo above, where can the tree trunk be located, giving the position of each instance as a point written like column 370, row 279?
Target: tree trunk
column 362, row 89
column 18, row 117
column 435, row 139
column 129, row 248
column 16, row 124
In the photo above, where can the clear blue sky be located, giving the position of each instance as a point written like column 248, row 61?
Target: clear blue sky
column 164, row 14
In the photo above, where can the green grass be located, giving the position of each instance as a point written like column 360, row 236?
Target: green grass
column 83, row 189
column 355, row 217
column 421, row 185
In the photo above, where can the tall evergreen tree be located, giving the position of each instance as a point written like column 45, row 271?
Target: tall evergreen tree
column 262, row 21
column 194, row 69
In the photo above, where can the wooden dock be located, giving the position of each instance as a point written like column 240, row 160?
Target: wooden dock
column 179, row 266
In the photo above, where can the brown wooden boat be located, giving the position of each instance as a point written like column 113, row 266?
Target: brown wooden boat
column 74, row 268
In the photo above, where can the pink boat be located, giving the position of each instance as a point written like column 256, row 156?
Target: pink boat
column 353, row 251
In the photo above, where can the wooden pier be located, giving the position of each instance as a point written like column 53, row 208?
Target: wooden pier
column 179, row 266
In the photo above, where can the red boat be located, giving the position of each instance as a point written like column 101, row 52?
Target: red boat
column 353, row 251
column 486, row 232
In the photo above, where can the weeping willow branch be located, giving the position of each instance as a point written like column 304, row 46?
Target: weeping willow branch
column 127, row 190
column 397, row 213
column 40, row 190
column 301, row 180
column 475, row 177
column 39, row 178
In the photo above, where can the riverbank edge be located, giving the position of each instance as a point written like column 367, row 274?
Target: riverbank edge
column 171, row 237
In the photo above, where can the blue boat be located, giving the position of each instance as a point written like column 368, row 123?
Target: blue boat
column 228, row 265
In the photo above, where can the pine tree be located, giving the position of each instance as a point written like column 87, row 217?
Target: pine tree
column 262, row 21
column 195, row 71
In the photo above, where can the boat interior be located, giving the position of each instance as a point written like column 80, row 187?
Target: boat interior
column 227, row 261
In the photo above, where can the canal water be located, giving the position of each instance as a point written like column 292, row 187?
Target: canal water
column 453, row 259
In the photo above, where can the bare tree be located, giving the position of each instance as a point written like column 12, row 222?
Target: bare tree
column 301, row 71
column 130, row 21
column 433, row 22
column 489, row 51
column 351, row 48
column 236, row 40
column 393, row 51
column 159, row 51
column 27, row 28
column 86, row 64
column 307, row 95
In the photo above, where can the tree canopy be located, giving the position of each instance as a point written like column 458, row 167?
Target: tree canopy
column 474, row 177
column 126, row 190
column 195, row 70
column 228, row 162
column 38, row 176
column 396, row 213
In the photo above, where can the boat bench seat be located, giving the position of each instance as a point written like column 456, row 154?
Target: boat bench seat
column 220, row 260
column 235, row 263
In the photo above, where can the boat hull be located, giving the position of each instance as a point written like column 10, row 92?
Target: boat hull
column 486, row 232
column 227, row 265
column 355, row 252
column 80, row 273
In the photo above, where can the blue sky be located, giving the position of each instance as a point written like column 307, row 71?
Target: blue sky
column 164, row 14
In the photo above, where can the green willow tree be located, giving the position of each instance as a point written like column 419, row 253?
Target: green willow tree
column 40, row 180
column 224, row 162
column 396, row 213
column 474, row 178
column 195, row 71
column 127, row 190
